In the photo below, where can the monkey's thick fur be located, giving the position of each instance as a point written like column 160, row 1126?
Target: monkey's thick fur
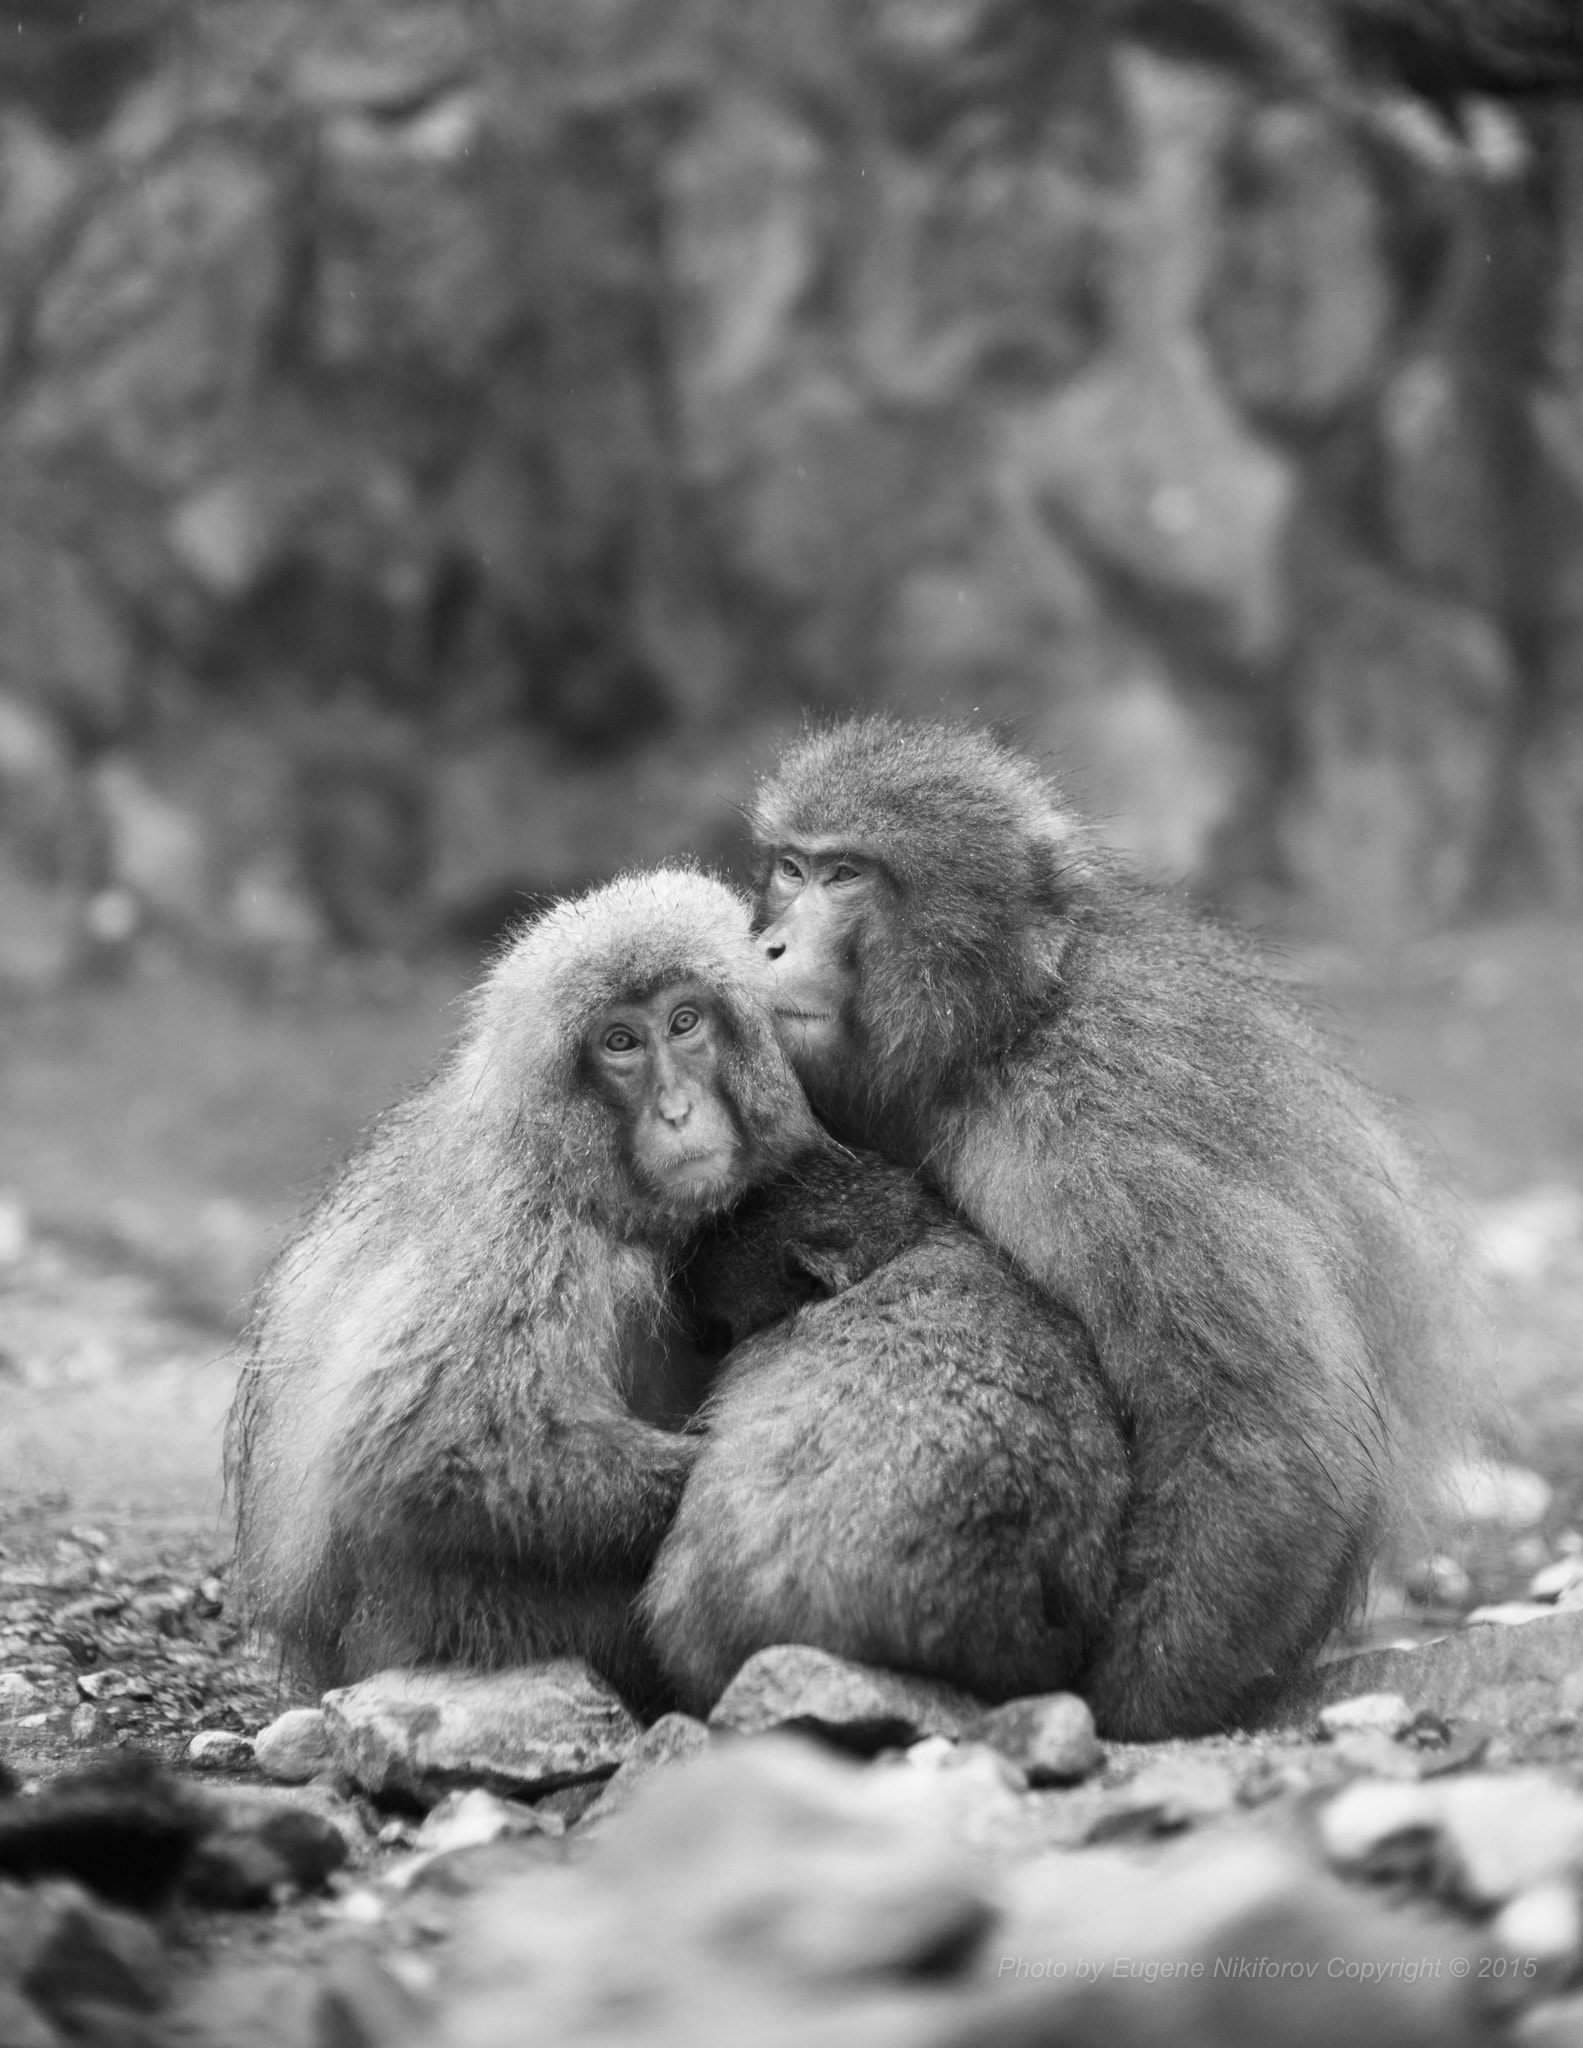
column 433, row 1451
column 910, row 1458
column 1115, row 1095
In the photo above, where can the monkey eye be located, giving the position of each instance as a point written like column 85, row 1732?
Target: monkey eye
column 844, row 871
column 620, row 1039
column 684, row 1020
column 788, row 869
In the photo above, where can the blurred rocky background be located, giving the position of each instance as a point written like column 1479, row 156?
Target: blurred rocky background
column 442, row 446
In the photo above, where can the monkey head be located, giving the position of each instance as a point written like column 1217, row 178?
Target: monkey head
column 917, row 884
column 660, row 1062
column 626, row 1038
column 830, row 1221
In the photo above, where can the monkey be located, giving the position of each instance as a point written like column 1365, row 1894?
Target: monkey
column 1112, row 1092
column 437, row 1450
column 909, row 1457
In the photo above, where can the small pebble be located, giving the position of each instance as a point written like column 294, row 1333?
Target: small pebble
column 1371, row 1713
column 219, row 1749
column 88, row 1726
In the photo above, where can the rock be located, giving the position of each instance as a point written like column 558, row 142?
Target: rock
column 464, row 1819
column 1440, row 1581
column 1541, row 1930
column 1379, row 1713
column 64, row 1950
column 1050, row 1737
column 1497, row 1496
column 18, row 1695
column 1301, row 300
column 860, row 1706
column 1400, row 699
column 421, row 1734
column 295, row 1747
column 1141, row 454
column 1240, row 1946
column 1555, row 1581
column 1504, row 1835
column 88, row 1725
column 113, row 1684
column 359, row 2002
column 765, row 1882
column 248, row 1809
column 1377, row 1829
column 218, row 1749
column 1508, row 1677
column 1509, row 1613
column 158, row 850
column 673, row 1739
column 121, row 1826
column 278, row 1853
column 22, row 2025
column 1163, row 1799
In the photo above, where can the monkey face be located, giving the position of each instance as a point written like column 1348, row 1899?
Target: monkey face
column 817, row 901
column 659, row 1063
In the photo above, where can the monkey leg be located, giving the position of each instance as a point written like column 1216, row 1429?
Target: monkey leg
column 1245, row 1546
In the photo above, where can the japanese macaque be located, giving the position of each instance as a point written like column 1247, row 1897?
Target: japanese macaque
column 1112, row 1093
column 910, row 1457
column 441, row 1448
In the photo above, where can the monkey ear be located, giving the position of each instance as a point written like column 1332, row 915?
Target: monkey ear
column 815, row 1272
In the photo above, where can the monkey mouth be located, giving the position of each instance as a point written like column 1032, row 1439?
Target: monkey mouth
column 805, row 1016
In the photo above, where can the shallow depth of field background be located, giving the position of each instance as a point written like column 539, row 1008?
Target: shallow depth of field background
column 445, row 448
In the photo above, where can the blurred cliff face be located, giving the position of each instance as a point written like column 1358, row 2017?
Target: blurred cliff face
column 438, row 447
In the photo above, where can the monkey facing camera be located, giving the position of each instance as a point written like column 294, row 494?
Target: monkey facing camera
column 444, row 1447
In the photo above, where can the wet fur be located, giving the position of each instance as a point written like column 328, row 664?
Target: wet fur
column 436, row 1450
column 910, row 1457
column 1114, row 1093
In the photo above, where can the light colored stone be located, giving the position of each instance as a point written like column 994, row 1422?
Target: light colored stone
column 422, row 1734
column 1544, row 1925
column 1509, row 1677
column 1503, row 1835
column 294, row 1747
column 219, row 1749
column 17, row 1694
column 1555, row 1581
column 1164, row 1798
column 1497, row 1496
column 1382, row 1829
column 1050, row 1737
column 1376, row 1713
column 795, row 1686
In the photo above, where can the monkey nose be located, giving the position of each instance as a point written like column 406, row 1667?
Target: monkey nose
column 773, row 948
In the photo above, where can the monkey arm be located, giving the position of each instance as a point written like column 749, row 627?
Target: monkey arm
column 494, row 1466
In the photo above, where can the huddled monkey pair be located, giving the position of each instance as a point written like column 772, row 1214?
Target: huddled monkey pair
column 1105, row 1362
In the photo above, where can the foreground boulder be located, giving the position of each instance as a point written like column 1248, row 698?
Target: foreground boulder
column 419, row 1734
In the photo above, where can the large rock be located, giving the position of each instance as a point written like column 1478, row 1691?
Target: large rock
column 860, row 1706
column 1400, row 702
column 421, row 1734
column 1301, row 302
column 1510, row 1675
column 1142, row 455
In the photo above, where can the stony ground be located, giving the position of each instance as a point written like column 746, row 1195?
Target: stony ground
column 155, row 1135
